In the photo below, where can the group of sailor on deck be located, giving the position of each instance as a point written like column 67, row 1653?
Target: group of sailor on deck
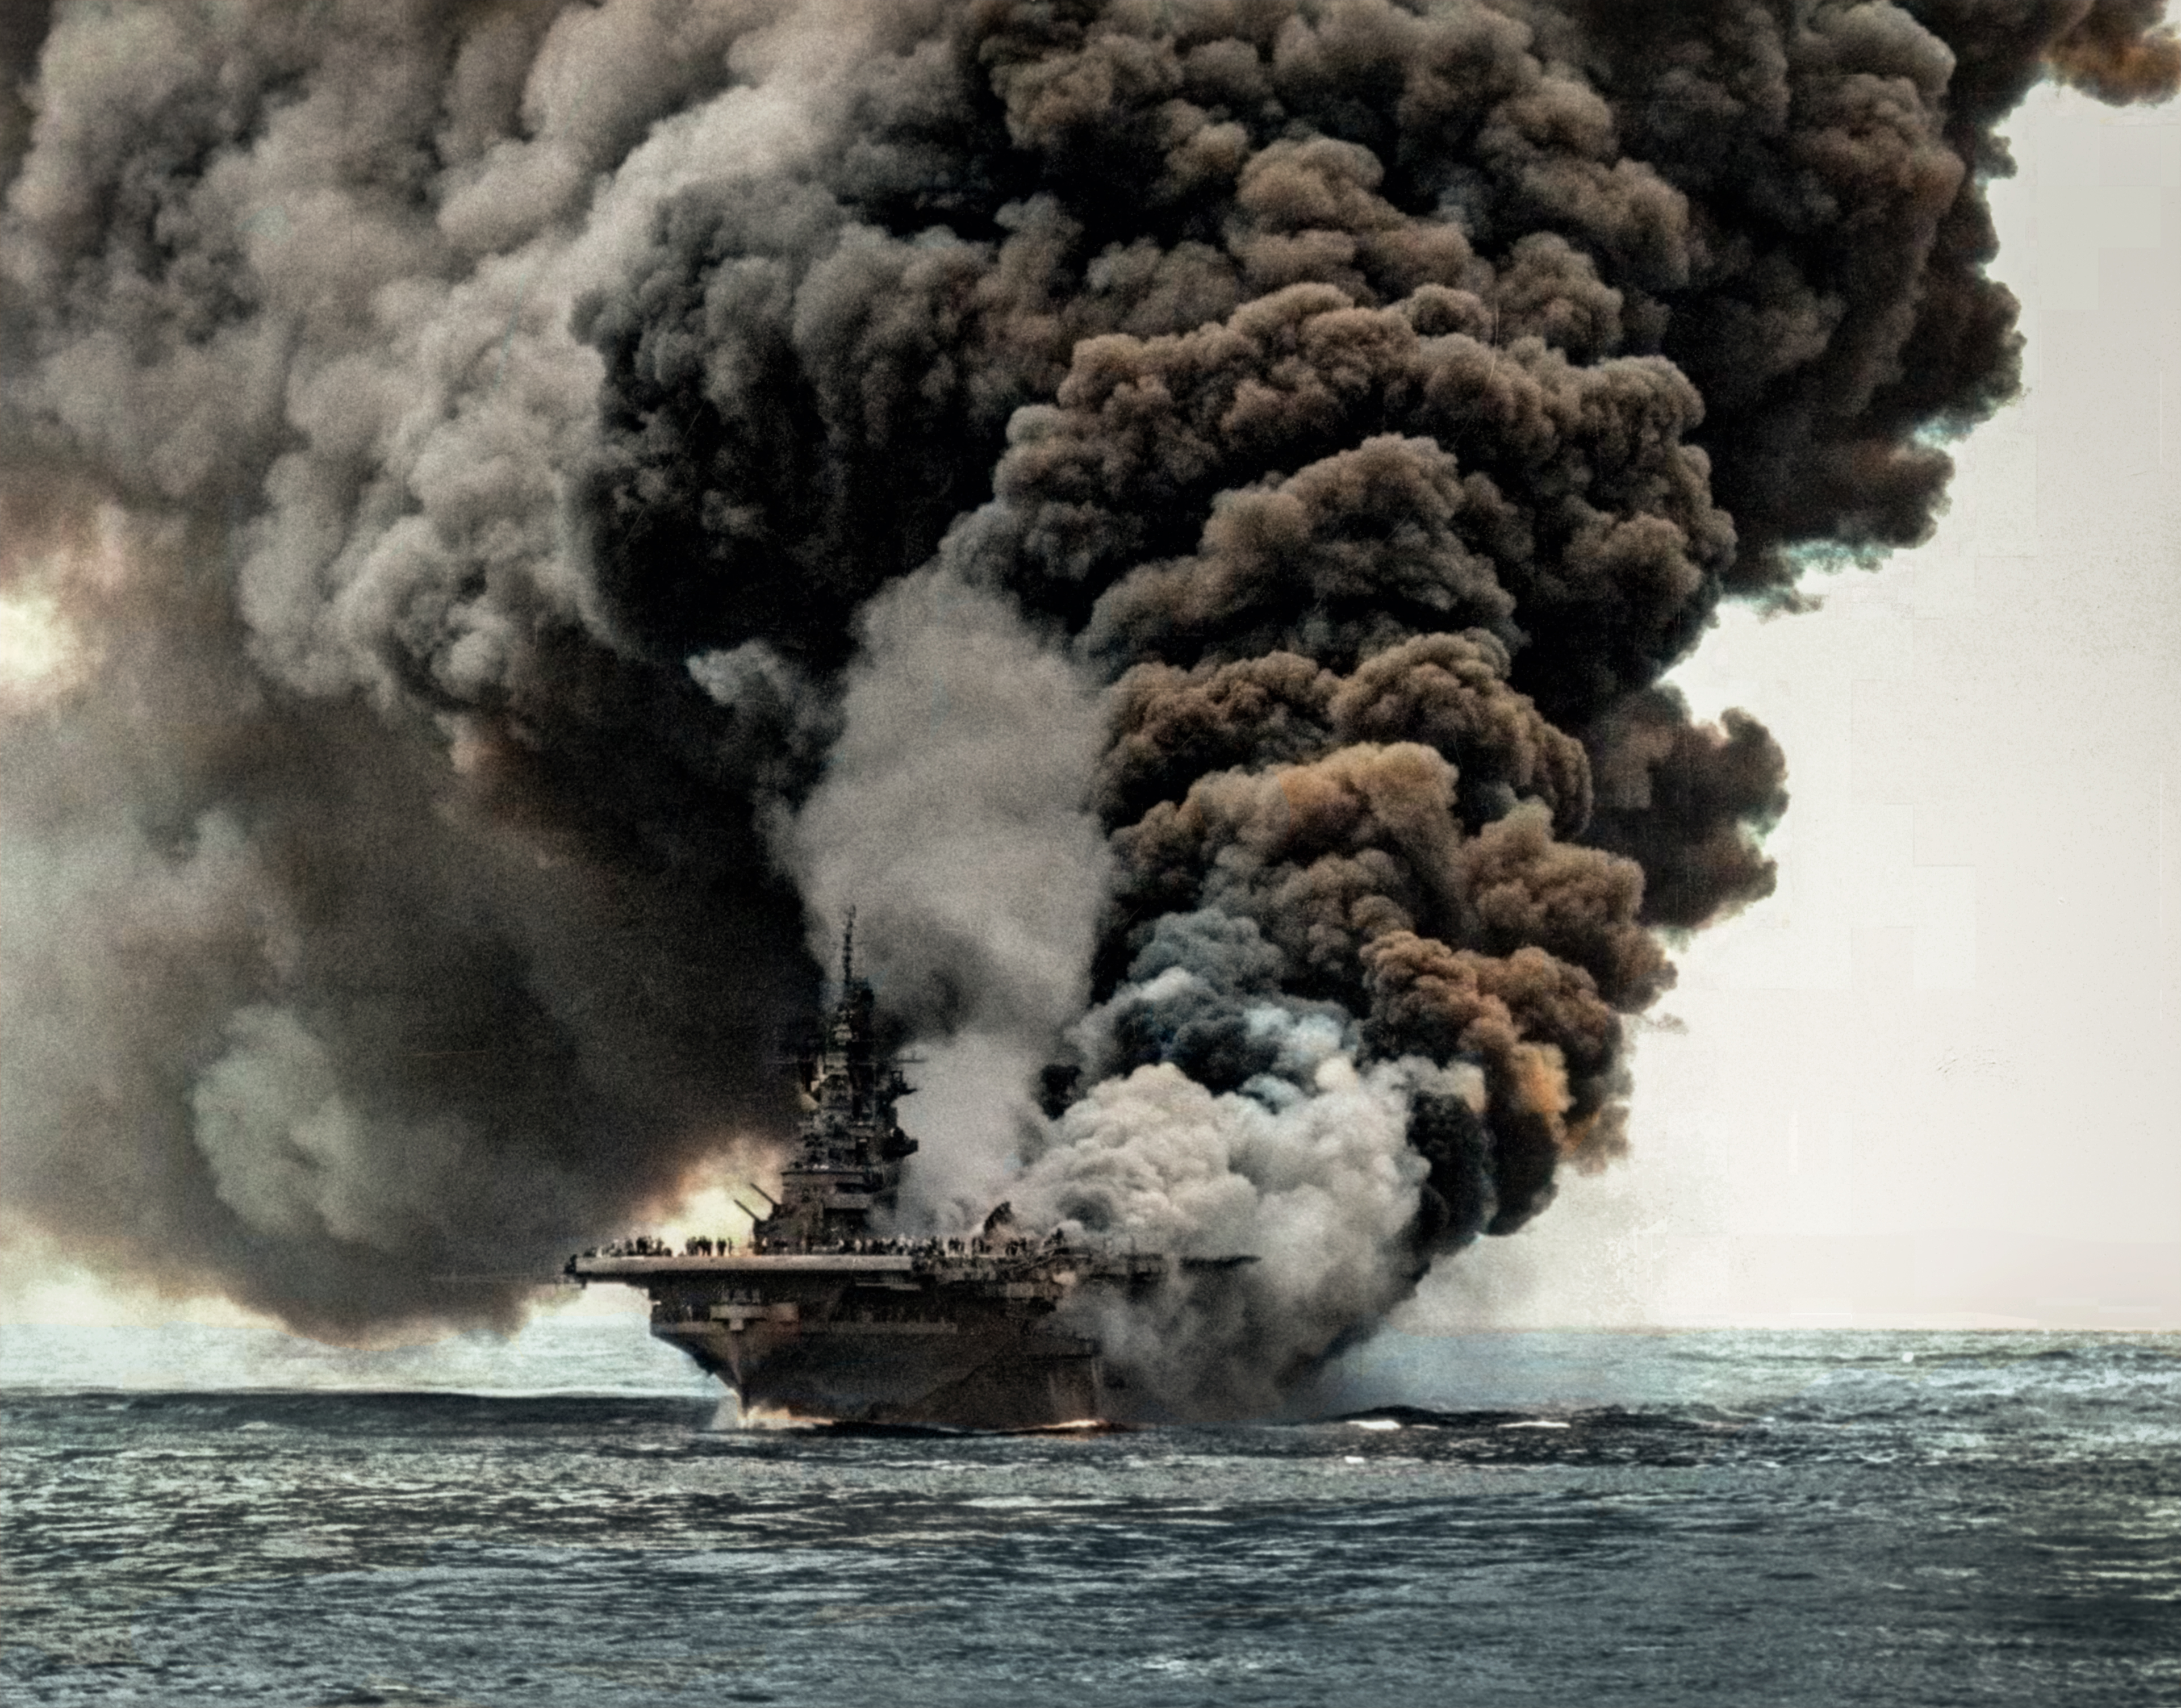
column 703, row 1245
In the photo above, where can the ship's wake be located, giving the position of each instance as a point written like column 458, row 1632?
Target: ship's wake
column 734, row 1416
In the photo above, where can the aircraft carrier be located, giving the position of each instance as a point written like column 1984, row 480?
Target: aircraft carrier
column 818, row 1315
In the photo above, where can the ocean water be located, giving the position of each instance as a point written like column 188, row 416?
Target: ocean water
column 1747, row 1518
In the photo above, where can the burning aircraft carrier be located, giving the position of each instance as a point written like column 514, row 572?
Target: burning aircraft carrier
column 820, row 1315
column 1190, row 509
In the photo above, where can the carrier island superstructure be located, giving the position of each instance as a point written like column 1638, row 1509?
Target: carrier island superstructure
column 818, row 1315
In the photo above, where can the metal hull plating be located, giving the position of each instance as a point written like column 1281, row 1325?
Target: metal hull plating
column 952, row 1340
column 946, row 1378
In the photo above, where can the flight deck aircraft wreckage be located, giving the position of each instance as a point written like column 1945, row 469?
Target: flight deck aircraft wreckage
column 820, row 1316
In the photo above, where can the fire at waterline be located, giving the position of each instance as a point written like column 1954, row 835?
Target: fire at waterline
column 1184, row 509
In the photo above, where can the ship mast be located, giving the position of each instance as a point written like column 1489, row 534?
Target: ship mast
column 848, row 1154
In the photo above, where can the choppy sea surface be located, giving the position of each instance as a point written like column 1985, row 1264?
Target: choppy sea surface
column 225, row 1516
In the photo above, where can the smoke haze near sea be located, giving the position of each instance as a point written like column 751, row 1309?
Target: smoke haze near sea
column 1179, row 512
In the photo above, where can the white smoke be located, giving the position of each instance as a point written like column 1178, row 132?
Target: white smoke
column 952, row 818
column 1306, row 1170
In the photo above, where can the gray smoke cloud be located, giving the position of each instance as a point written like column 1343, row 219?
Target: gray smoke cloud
column 951, row 817
column 1177, row 509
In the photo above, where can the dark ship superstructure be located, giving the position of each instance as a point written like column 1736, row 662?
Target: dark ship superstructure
column 820, row 1315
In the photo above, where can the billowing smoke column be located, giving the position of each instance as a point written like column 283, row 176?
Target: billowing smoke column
column 1180, row 508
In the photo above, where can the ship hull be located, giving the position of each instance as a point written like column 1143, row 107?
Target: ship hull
column 946, row 1340
column 956, row 1377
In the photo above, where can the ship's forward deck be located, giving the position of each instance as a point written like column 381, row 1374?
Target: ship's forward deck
column 750, row 1262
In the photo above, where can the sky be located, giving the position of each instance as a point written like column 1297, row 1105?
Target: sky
column 1931, row 1079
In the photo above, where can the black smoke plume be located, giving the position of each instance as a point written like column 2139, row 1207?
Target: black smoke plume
column 1180, row 507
